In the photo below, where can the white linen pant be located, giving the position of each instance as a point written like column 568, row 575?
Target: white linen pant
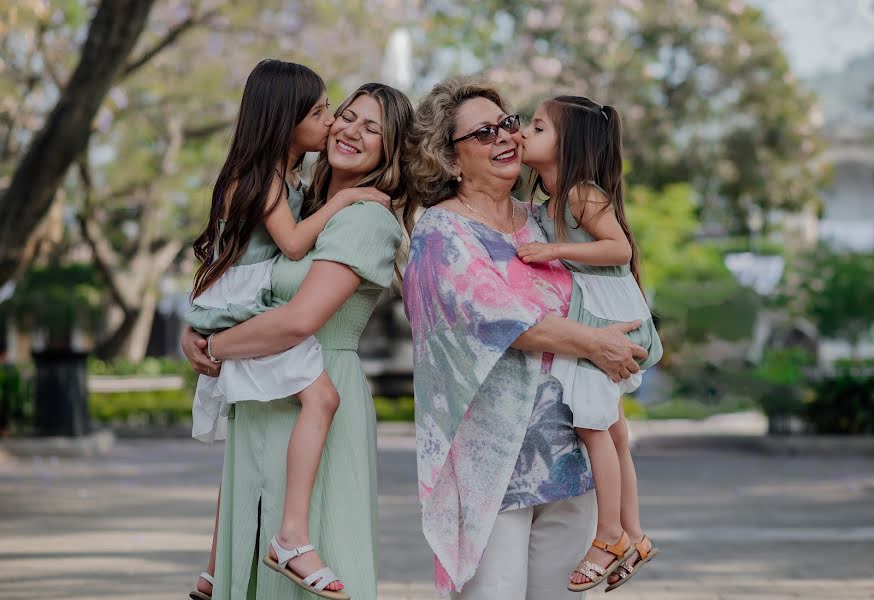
column 532, row 551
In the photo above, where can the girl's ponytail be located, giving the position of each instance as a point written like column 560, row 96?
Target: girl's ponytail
column 612, row 181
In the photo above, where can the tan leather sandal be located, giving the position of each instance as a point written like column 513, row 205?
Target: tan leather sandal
column 627, row 571
column 622, row 550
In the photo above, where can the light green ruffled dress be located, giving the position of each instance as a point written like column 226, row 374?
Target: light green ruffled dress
column 243, row 291
column 343, row 511
column 601, row 296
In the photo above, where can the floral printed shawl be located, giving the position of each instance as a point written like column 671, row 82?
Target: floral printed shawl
column 492, row 433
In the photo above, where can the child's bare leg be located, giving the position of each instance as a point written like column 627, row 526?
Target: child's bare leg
column 202, row 584
column 630, row 512
column 608, row 489
column 319, row 403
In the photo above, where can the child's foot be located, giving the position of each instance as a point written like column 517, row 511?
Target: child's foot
column 305, row 564
column 203, row 586
column 597, row 556
column 646, row 545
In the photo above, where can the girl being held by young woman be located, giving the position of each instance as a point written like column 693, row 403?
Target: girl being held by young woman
column 256, row 203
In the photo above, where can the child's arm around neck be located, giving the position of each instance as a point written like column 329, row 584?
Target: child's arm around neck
column 593, row 212
column 296, row 239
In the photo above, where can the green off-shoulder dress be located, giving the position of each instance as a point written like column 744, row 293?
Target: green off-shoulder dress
column 343, row 511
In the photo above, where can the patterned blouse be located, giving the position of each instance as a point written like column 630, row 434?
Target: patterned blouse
column 492, row 433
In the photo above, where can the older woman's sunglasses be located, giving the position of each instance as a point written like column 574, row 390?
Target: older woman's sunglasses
column 489, row 133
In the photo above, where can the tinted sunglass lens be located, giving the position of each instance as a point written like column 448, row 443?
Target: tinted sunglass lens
column 487, row 135
column 511, row 124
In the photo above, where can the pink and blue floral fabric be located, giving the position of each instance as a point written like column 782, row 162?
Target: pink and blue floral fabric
column 492, row 432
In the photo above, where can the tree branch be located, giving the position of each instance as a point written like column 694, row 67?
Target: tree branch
column 112, row 34
column 164, row 257
column 9, row 148
column 105, row 257
column 169, row 39
column 128, row 189
column 175, row 138
column 43, row 49
column 206, row 130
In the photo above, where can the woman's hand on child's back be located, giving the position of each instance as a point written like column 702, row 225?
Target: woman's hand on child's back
column 350, row 196
column 536, row 252
column 614, row 353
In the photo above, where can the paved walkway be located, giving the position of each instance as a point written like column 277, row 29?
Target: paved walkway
column 732, row 524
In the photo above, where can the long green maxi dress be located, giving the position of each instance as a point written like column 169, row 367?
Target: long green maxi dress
column 343, row 510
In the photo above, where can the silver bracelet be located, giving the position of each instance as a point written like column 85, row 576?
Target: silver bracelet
column 212, row 358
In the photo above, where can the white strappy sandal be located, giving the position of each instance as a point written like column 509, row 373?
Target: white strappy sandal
column 197, row 594
column 315, row 583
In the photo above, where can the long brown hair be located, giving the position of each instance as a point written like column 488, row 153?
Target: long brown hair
column 389, row 176
column 589, row 151
column 278, row 95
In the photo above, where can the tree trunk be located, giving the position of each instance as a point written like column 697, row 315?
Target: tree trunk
column 110, row 347
column 130, row 339
column 135, row 289
column 134, row 346
column 113, row 32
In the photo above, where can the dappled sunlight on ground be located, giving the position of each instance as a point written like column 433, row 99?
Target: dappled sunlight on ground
column 731, row 524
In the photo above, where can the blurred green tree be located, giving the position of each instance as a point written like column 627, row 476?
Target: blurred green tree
column 145, row 186
column 706, row 94
column 704, row 89
column 48, row 36
column 141, row 189
column 44, row 120
column 664, row 225
column 833, row 288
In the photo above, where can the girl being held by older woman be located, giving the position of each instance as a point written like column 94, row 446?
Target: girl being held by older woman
column 502, row 475
column 575, row 146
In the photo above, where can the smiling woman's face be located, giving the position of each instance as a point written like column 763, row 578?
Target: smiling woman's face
column 499, row 160
column 355, row 141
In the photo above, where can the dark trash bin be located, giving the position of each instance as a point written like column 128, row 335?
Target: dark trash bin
column 60, row 389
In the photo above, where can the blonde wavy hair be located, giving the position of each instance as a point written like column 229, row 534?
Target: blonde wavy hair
column 429, row 153
column 389, row 176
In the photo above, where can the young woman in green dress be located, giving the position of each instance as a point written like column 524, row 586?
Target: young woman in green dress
column 329, row 293
column 254, row 218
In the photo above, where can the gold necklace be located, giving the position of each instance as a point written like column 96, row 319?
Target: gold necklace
column 494, row 223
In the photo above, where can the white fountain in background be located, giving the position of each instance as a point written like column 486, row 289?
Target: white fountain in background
column 397, row 64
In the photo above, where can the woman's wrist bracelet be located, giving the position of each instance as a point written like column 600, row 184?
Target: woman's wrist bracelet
column 212, row 358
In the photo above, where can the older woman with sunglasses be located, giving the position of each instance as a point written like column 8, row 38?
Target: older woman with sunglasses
column 502, row 478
